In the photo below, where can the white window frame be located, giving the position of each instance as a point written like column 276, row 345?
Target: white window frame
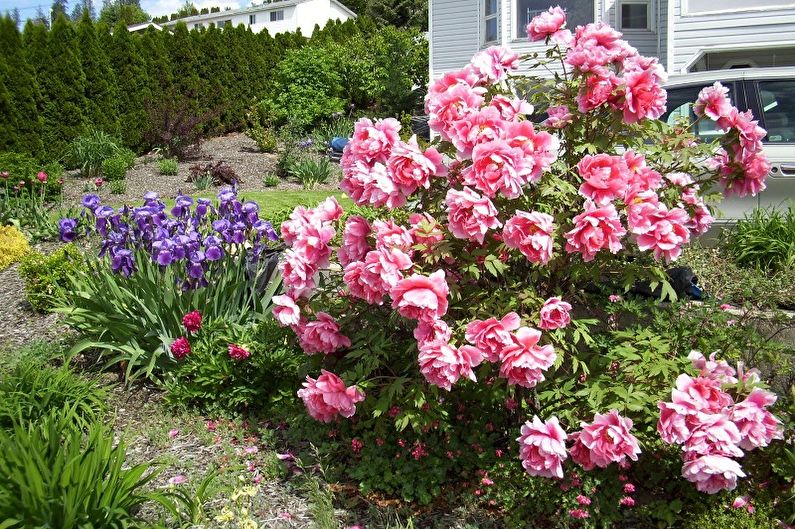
column 197, row 26
column 252, row 19
column 486, row 18
column 650, row 25
column 515, row 29
column 273, row 14
column 688, row 11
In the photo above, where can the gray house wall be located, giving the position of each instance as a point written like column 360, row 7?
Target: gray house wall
column 454, row 26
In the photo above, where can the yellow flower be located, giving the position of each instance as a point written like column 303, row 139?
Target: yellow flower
column 250, row 490
column 248, row 523
column 226, row 516
column 236, row 494
column 13, row 246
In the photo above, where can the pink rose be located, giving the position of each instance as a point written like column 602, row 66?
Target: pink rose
column 354, row 240
column 608, row 439
column 700, row 394
column 559, row 117
column 595, row 229
column 667, row 233
column 713, row 102
column 442, row 364
column 542, row 448
column 321, row 336
column 492, row 335
column 712, row 473
column 285, row 310
column 469, row 215
column 523, row 361
column 494, row 63
column 757, row 426
column 604, row 177
column 546, row 24
column 554, row 314
column 421, row 297
column 327, row 397
column 412, row 168
column 499, row 167
column 530, row 233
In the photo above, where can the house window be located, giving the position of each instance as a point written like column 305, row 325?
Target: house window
column 196, row 26
column 489, row 21
column 635, row 15
column 252, row 19
column 711, row 6
column 578, row 13
column 276, row 16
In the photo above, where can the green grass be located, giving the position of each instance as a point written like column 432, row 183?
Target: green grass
column 277, row 200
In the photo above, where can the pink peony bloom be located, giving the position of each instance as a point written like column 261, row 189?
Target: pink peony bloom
column 712, row 473
column 421, row 297
column 595, row 229
column 700, row 394
column 42, row 177
column 757, row 426
column 321, row 336
column 743, row 502
column 579, row 514
column 478, row 127
column 469, row 215
column 718, row 369
column 554, row 314
column 667, row 233
column 598, row 89
column 327, row 397
column 412, row 168
column 700, row 219
column 713, row 102
column 285, row 310
column 432, row 330
column 354, row 240
column 559, row 117
column 608, row 439
column 673, row 424
column 499, row 167
column 540, row 148
column 511, row 109
column 614, row 298
column 542, row 448
column 713, row 434
column 523, row 361
column 604, row 177
column 450, row 106
column 642, row 209
column 596, row 46
column 442, row 364
column 583, row 500
column 374, row 141
column 237, row 352
column 491, row 336
column 371, row 185
column 389, row 235
column 297, row 274
column 180, row 348
column 530, row 233
column 546, row 24
column 313, row 244
column 464, row 77
column 192, row 321
column 494, row 63
column 644, row 96
column 627, row 501
column 372, row 278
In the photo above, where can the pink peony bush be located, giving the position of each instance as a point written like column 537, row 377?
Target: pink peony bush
column 510, row 218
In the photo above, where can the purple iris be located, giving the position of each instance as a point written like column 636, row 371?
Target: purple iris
column 91, row 202
column 122, row 262
column 67, row 229
column 265, row 228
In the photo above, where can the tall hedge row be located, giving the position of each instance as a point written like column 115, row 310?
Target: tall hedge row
column 77, row 76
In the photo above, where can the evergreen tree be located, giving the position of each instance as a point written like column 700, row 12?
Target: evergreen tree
column 101, row 110
column 133, row 84
column 15, row 16
column 8, row 129
column 63, row 88
column 126, row 11
column 42, row 18
column 186, row 64
column 82, row 6
column 158, row 62
column 23, row 91
column 58, row 8
column 217, row 90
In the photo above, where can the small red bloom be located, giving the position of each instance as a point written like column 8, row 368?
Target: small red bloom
column 238, row 353
column 192, row 321
column 180, row 348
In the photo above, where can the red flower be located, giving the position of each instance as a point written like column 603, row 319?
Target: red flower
column 192, row 321
column 180, row 348
column 238, row 353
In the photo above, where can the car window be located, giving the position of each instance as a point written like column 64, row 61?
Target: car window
column 778, row 110
column 680, row 104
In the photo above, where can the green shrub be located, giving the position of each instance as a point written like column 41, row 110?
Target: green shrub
column 765, row 240
column 13, row 246
column 264, row 137
column 310, row 171
column 337, row 127
column 167, row 166
column 57, row 476
column 46, row 275
column 115, row 167
column 88, row 152
column 213, row 382
column 117, row 187
column 271, row 180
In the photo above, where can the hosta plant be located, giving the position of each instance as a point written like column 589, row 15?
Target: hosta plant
column 517, row 232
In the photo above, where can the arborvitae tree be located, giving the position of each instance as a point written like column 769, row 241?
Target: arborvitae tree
column 186, row 62
column 58, row 8
column 8, row 122
column 101, row 111
column 158, row 62
column 133, row 84
column 63, row 87
column 15, row 16
column 125, row 11
column 42, row 18
column 216, row 88
column 23, row 89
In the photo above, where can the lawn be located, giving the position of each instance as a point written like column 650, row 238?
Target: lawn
column 274, row 201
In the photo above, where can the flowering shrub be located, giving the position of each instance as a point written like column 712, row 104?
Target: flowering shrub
column 13, row 244
column 509, row 222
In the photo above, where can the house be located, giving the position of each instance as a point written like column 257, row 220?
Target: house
column 277, row 17
column 141, row 28
column 686, row 35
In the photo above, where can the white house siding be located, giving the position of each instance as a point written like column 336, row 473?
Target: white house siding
column 696, row 32
column 650, row 43
column 455, row 34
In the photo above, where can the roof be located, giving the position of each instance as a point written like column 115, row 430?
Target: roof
column 279, row 4
column 144, row 25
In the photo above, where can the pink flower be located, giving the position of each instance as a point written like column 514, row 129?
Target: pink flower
column 297, row 274
column 614, row 298
column 442, row 364
column 530, row 233
column 713, row 434
column 700, row 394
column 432, row 330
column 493, row 64
column 540, row 148
column 327, row 397
column 421, row 297
column 492, row 335
column 580, row 514
column 712, row 473
column 595, row 229
column 478, row 127
column 673, row 424
column 559, row 117
column 354, row 240
column 627, row 501
column 172, row 433
column 542, row 448
column 546, row 24
column 717, row 369
column 583, row 500
column 629, row 488
column 42, row 177
column 451, row 106
column 498, row 167
column 713, row 102
column 321, row 336
column 597, row 45
column 666, row 234
column 469, row 215
column 179, row 479
column 285, row 310
column 598, row 89
column 604, row 177
column 180, row 348
column 511, row 109
column 98, row 183
column 192, row 321
column 313, row 244
column 608, row 439
column 374, row 141
column 238, row 353
column 523, row 360
column 743, row 502
column 412, row 168
column 644, row 97
column 757, row 426
column 554, row 314
column 389, row 235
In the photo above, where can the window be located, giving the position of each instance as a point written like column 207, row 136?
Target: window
column 680, row 105
column 196, row 26
column 778, row 110
column 707, row 6
column 578, row 13
column 635, row 15
column 224, row 23
column 252, row 19
column 276, row 16
column 490, row 21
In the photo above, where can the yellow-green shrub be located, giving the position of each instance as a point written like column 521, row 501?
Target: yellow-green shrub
column 13, row 246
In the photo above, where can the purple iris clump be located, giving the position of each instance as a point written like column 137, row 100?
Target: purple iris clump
column 196, row 240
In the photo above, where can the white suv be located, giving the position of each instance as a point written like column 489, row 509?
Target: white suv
column 770, row 94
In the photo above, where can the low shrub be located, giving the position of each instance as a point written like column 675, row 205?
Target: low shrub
column 338, row 126
column 764, row 240
column 117, row 187
column 88, row 152
column 219, row 173
column 265, row 138
column 115, row 168
column 215, row 377
column 310, row 171
column 45, row 275
column 13, row 246
column 175, row 127
column 167, row 166
column 271, row 180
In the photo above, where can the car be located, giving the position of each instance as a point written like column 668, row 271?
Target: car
column 770, row 94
